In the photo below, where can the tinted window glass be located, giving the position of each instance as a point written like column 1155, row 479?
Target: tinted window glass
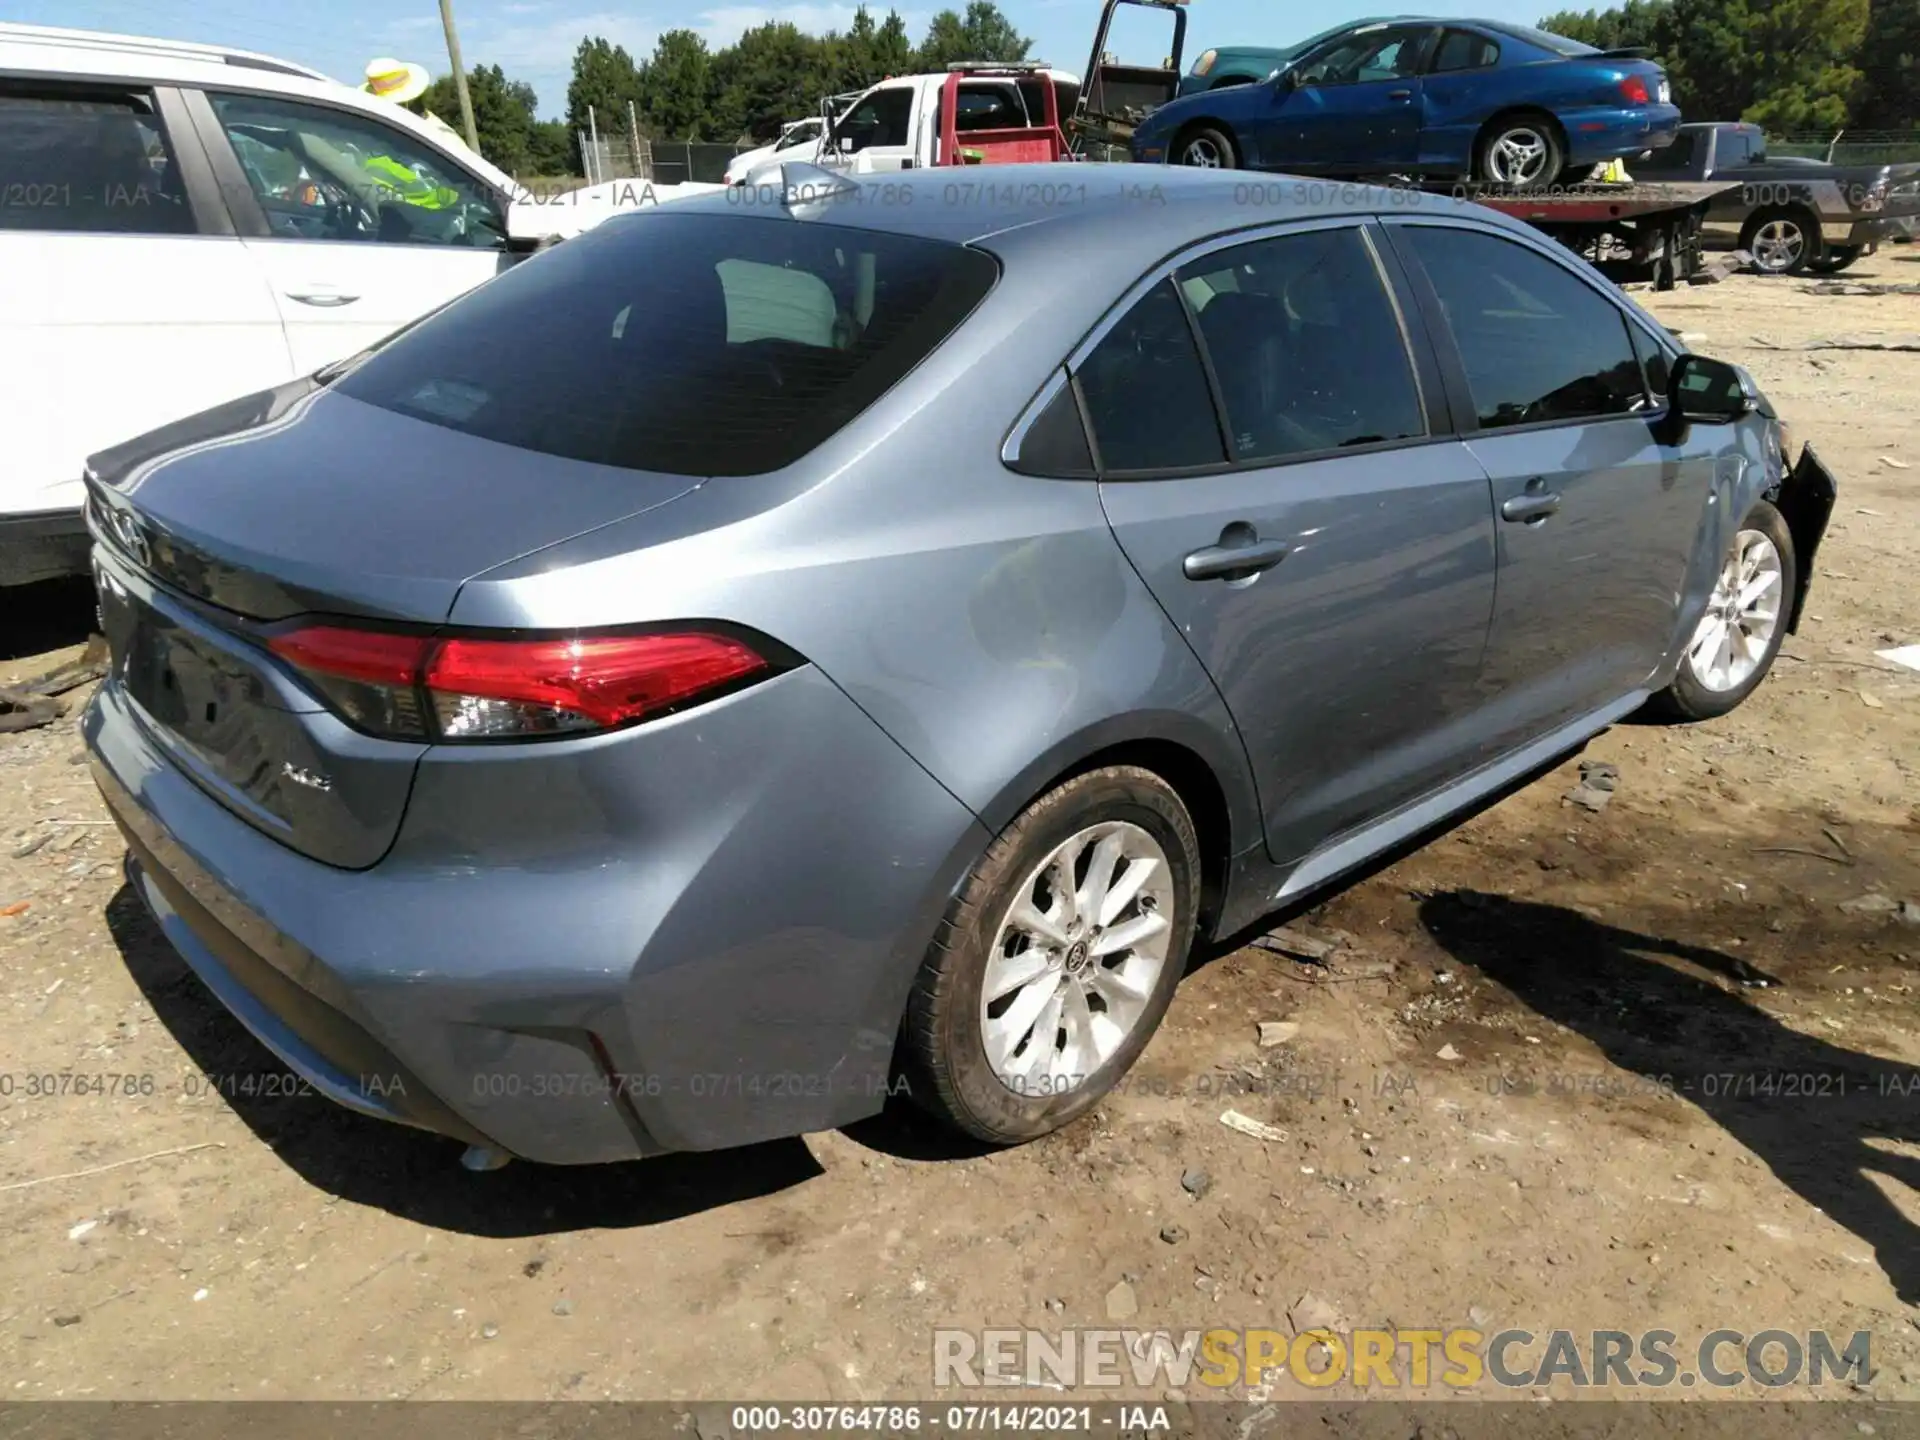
column 1056, row 442
column 1463, row 50
column 883, row 118
column 999, row 107
column 322, row 174
column 1147, row 396
column 1677, row 156
column 1546, row 40
column 692, row 344
column 1654, row 361
column 1538, row 342
column 1305, row 345
column 70, row 160
column 1376, row 55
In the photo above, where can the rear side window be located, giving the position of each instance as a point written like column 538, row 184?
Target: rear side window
column 1538, row 343
column 1305, row 345
column 1147, row 398
column 688, row 344
column 97, row 162
column 1463, row 50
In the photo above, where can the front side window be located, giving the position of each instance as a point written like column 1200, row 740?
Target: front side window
column 689, row 344
column 322, row 174
column 1377, row 55
column 1305, row 345
column 1146, row 393
column 883, row 118
column 91, row 161
column 1538, row 343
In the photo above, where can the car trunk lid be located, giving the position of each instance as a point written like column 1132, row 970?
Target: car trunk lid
column 215, row 533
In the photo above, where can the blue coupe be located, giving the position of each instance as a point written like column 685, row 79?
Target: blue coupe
column 1502, row 104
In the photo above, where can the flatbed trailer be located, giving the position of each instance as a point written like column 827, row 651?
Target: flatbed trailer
column 1630, row 231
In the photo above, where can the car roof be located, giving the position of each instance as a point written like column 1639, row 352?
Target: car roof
column 1126, row 214
column 56, row 53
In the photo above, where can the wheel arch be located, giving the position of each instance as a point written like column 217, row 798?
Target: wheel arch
column 1225, row 814
column 1205, row 122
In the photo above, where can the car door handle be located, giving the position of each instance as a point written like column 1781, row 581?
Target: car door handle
column 1247, row 559
column 326, row 298
column 1399, row 94
column 1532, row 506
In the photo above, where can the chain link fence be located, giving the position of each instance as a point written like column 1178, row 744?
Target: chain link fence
column 1851, row 147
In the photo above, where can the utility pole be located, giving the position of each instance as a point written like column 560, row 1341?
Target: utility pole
column 459, row 75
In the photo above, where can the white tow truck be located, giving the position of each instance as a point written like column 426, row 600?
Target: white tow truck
column 969, row 114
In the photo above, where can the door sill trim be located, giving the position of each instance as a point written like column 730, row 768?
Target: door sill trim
column 1354, row 849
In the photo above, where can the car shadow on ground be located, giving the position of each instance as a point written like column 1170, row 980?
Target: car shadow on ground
column 407, row 1172
column 48, row 616
column 1809, row 1109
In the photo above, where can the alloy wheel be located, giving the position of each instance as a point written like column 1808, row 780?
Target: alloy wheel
column 1076, row 958
column 1742, row 615
column 1517, row 156
column 1778, row 246
column 1204, row 153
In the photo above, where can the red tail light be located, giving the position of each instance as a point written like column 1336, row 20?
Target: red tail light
column 1634, row 89
column 424, row 687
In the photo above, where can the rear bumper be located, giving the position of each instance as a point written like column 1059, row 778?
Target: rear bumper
column 598, row 952
column 42, row 545
column 1602, row 134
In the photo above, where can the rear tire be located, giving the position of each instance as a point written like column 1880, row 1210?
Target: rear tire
column 1835, row 259
column 1207, row 147
column 1085, row 1012
column 1519, row 151
column 1734, row 646
column 1781, row 242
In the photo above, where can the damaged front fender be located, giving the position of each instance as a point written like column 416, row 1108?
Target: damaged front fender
column 1804, row 496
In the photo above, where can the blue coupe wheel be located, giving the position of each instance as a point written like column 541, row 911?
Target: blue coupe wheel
column 1206, row 148
column 1519, row 152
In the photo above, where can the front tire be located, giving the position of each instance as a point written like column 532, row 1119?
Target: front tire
column 1735, row 643
column 1835, row 259
column 1207, row 147
column 1520, row 151
column 1058, row 958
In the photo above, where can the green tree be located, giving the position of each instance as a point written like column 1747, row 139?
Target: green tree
column 771, row 75
column 1645, row 23
column 604, row 80
column 550, row 148
column 503, row 112
column 892, row 49
column 1784, row 64
column 674, row 85
column 983, row 33
column 1889, row 97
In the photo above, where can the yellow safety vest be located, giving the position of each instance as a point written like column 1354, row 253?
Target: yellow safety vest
column 405, row 185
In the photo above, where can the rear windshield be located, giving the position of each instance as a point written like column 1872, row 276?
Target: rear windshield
column 705, row 344
column 1558, row 44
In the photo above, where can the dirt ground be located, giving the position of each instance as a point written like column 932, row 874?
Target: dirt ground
column 1548, row 1081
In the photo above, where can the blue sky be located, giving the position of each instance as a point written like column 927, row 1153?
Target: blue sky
column 534, row 40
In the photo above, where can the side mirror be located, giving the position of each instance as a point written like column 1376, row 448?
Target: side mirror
column 1710, row 391
column 1285, row 81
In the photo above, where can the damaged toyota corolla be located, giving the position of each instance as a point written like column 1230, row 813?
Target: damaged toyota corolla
column 755, row 659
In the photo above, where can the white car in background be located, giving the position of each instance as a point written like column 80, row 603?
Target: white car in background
column 184, row 224
column 795, row 134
